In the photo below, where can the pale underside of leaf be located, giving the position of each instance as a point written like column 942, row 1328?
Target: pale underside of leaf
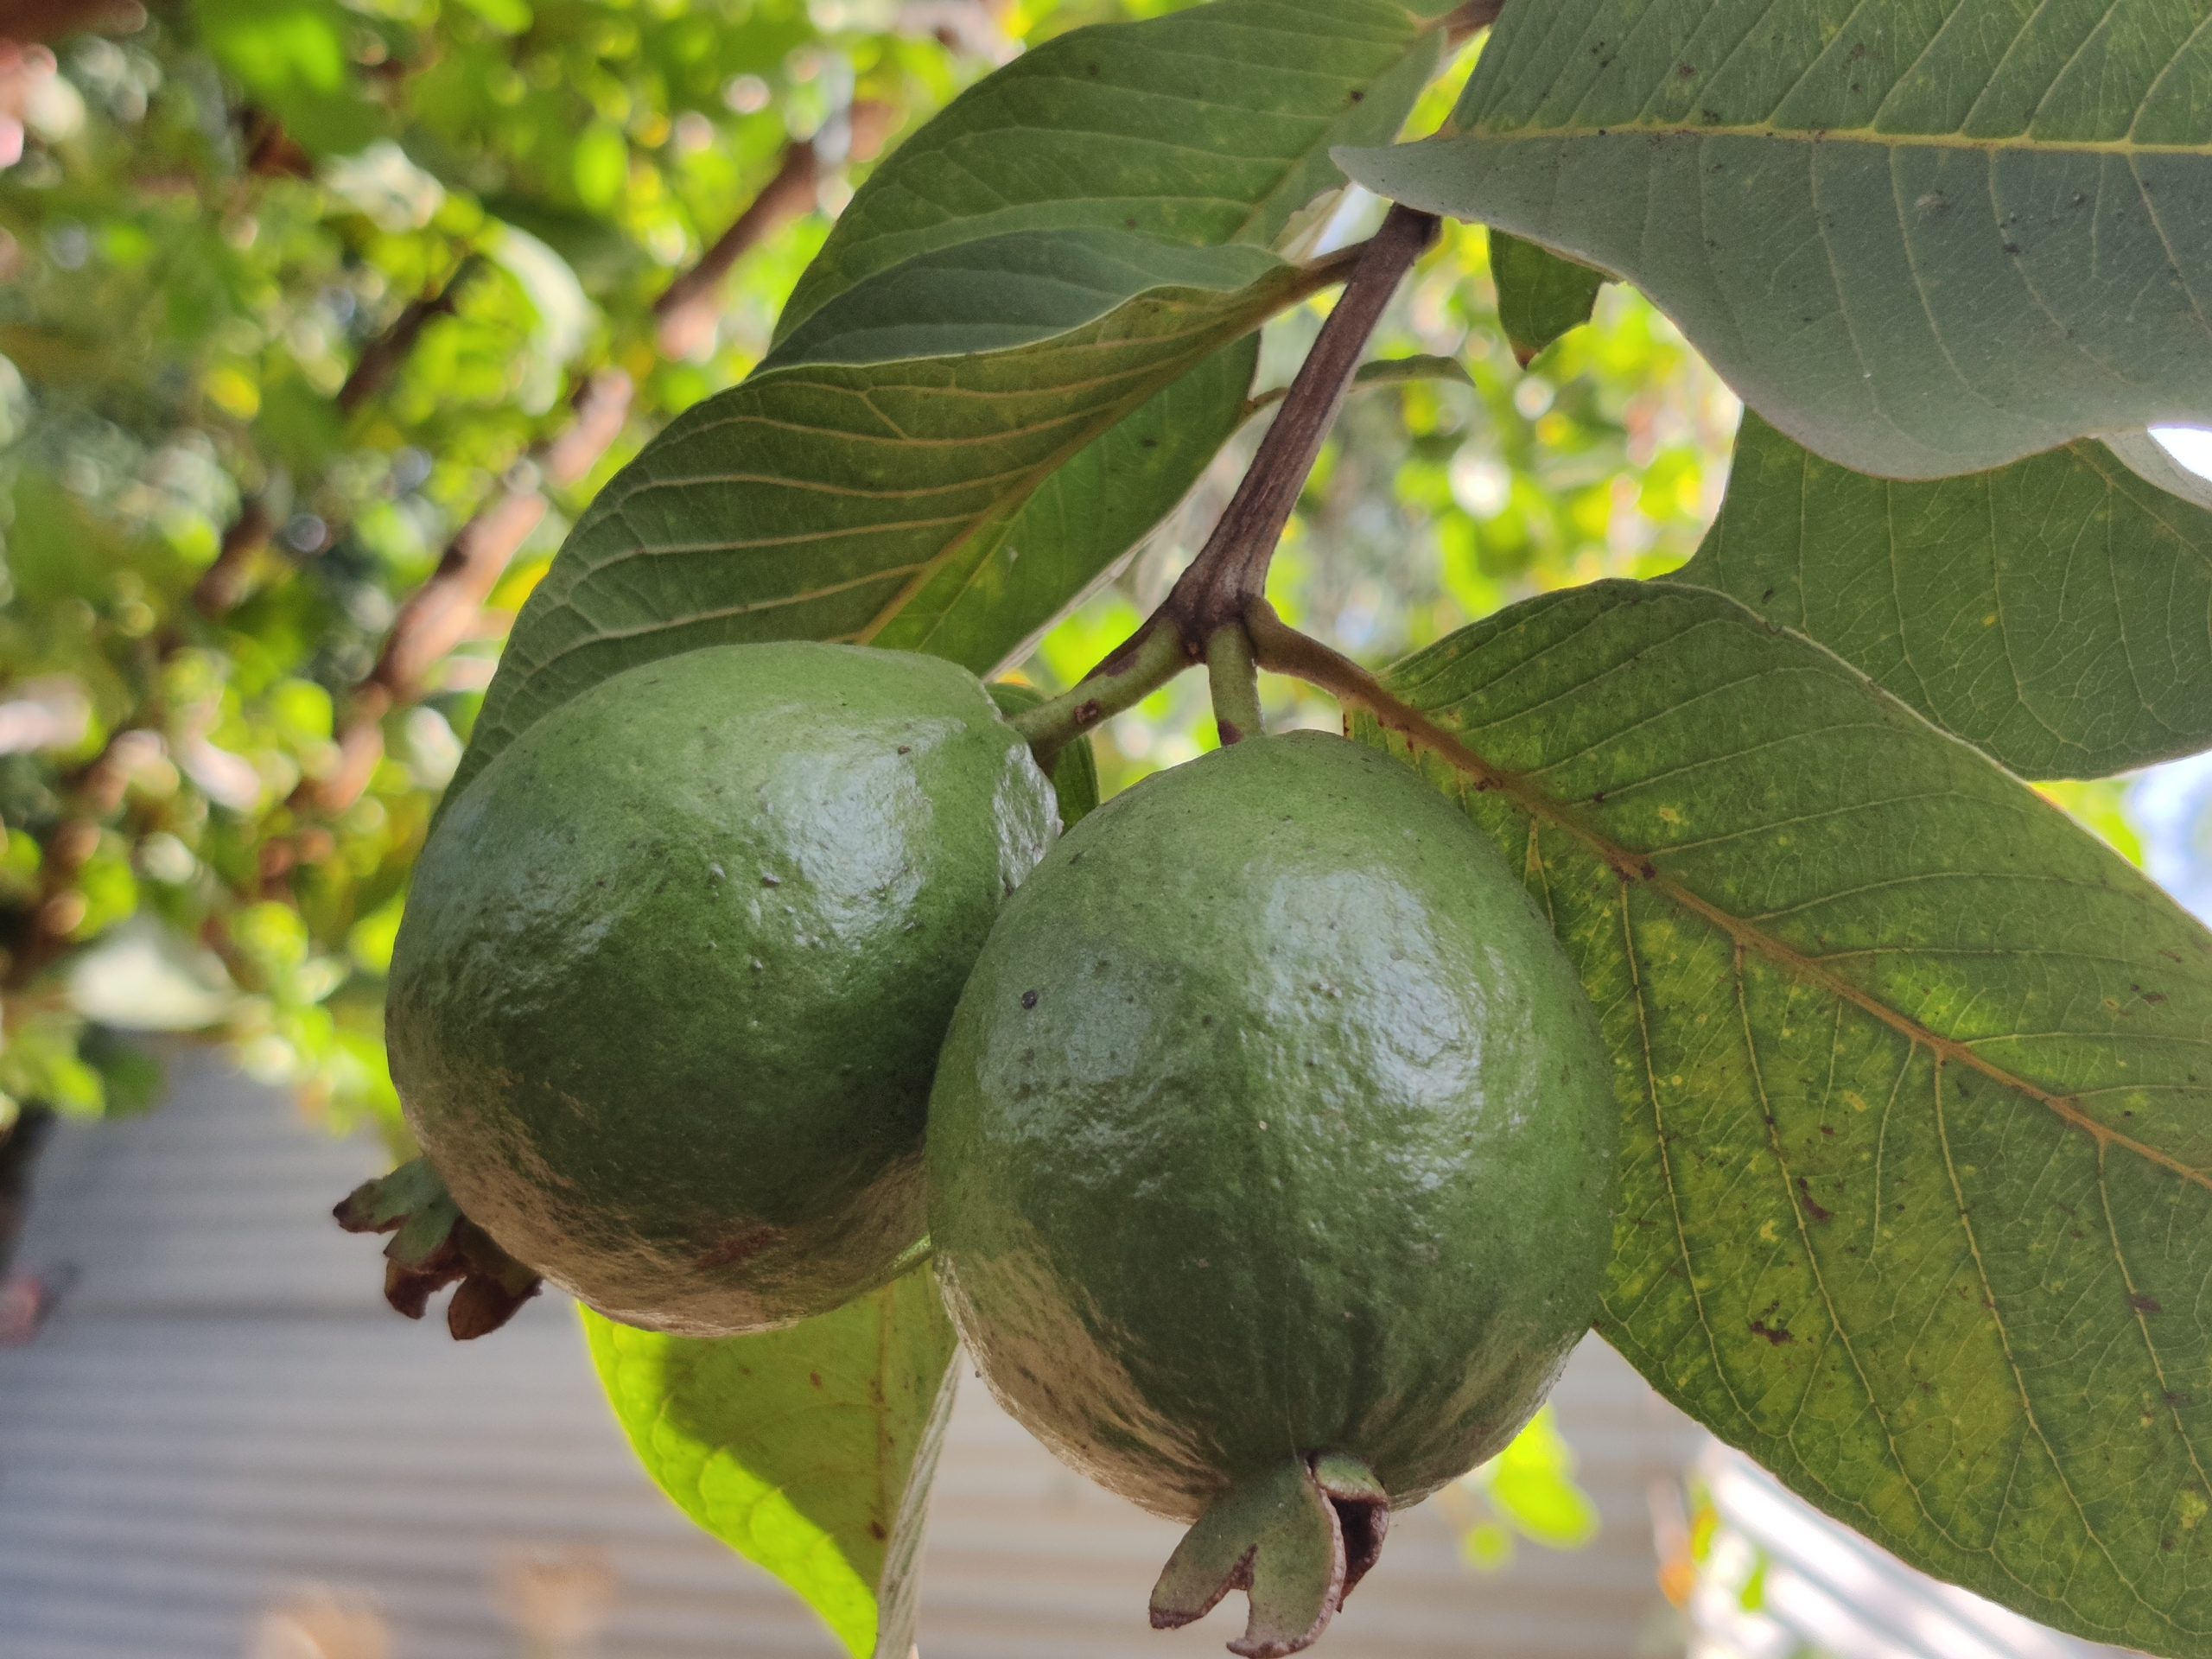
column 2057, row 613
column 818, row 498
column 985, row 608
column 1918, row 1165
column 1922, row 240
column 2153, row 463
column 1143, row 127
column 809, row 1450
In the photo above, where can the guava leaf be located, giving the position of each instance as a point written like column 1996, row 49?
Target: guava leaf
column 1922, row 240
column 817, row 499
column 1540, row 296
column 1210, row 126
column 985, row 607
column 1125, row 127
column 809, row 1450
column 1917, row 1156
column 2057, row 613
column 2152, row 461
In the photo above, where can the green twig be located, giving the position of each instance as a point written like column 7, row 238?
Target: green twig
column 1148, row 661
column 1236, row 680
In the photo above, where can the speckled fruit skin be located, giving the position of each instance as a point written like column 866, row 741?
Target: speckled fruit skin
column 1273, row 1122
column 676, row 965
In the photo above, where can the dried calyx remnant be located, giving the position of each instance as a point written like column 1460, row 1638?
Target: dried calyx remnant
column 434, row 1245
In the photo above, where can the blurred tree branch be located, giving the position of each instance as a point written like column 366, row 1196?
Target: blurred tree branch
column 383, row 356
column 441, row 614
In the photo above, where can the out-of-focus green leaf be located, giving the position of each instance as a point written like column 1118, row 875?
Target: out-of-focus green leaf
column 293, row 56
column 1917, row 1178
column 602, row 165
column 2056, row 612
column 1532, row 1482
column 1540, row 295
column 809, row 1450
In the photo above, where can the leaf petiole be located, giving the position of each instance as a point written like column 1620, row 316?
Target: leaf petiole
column 1234, row 674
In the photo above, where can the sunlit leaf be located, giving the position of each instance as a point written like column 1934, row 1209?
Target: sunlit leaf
column 1145, row 127
column 809, row 1450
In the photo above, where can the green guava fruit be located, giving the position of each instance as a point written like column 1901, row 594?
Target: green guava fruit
column 1271, row 1163
column 676, row 964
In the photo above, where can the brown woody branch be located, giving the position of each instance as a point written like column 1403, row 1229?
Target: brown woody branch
column 95, row 794
column 381, row 358
column 222, row 584
column 687, row 310
column 1230, row 571
column 444, row 611
column 1224, row 589
column 440, row 614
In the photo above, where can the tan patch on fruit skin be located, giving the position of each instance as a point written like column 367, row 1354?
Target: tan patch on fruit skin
column 741, row 1246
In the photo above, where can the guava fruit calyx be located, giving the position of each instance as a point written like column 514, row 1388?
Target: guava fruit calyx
column 434, row 1245
column 1296, row 1539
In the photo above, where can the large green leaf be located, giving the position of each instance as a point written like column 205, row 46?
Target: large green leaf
column 807, row 1451
column 2057, row 613
column 1212, row 125
column 1917, row 1201
column 908, row 421
column 1128, row 127
column 1923, row 238
column 984, row 606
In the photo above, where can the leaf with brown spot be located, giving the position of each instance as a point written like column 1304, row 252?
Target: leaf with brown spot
column 1855, row 923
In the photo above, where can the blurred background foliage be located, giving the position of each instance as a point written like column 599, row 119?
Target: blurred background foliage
column 319, row 319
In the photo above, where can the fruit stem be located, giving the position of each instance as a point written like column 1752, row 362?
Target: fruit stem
column 1227, row 582
column 1235, row 676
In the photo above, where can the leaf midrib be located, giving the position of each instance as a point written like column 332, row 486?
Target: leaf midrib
column 2020, row 144
column 1300, row 283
